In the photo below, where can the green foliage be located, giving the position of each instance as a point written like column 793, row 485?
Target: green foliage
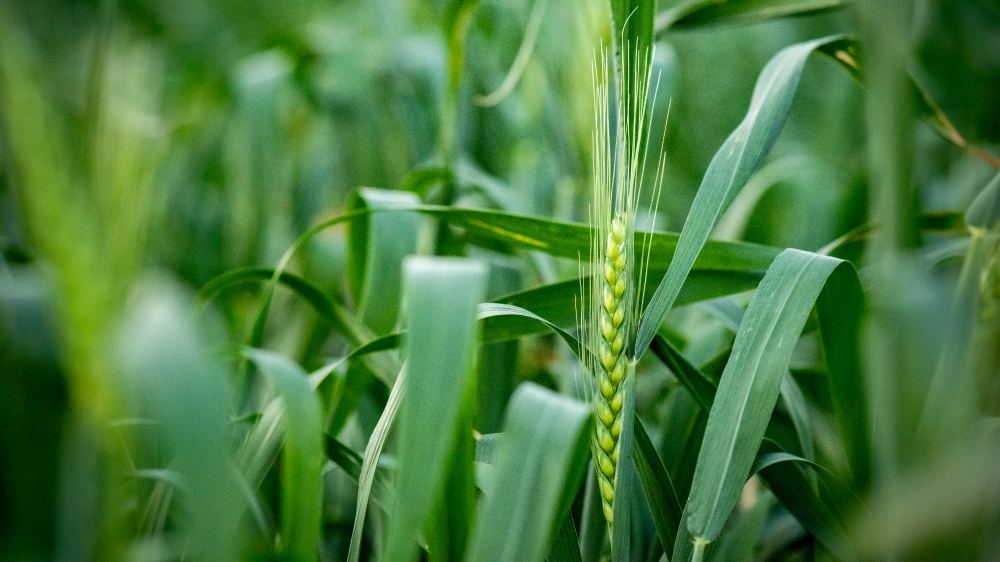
column 303, row 281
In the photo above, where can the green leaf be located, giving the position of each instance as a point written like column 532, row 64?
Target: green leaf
column 566, row 545
column 663, row 504
column 336, row 316
column 187, row 393
column 784, row 475
column 840, row 309
column 702, row 13
column 572, row 240
column 750, row 385
column 984, row 212
column 351, row 462
column 373, row 451
column 442, row 295
column 558, row 302
column 302, row 459
column 378, row 244
column 738, row 158
column 540, row 462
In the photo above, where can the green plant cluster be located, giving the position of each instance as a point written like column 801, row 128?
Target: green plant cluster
column 323, row 280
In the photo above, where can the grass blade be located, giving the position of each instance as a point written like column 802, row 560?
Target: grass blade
column 378, row 244
column 840, row 308
column 784, row 475
column 750, row 385
column 188, row 394
column 540, row 463
column 442, row 296
column 731, row 167
column 704, row 13
column 372, row 453
column 302, row 459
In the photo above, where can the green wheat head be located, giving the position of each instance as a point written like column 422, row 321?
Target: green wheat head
column 615, row 305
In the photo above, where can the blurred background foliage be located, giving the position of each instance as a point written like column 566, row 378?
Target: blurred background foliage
column 149, row 146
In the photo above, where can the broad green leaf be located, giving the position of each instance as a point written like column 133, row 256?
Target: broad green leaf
column 558, row 302
column 378, row 244
column 302, row 457
column 187, row 394
column 442, row 295
column 750, row 385
column 738, row 12
column 791, row 395
column 540, row 462
column 663, row 504
column 572, row 240
column 738, row 158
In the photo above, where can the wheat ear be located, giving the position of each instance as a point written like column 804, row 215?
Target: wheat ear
column 613, row 315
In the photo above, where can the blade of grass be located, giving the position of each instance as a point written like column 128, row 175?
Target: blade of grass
column 442, row 295
column 302, row 458
column 351, row 462
column 540, row 463
column 378, row 244
column 750, row 385
column 373, row 451
column 705, row 13
column 784, row 475
column 738, row 158
column 188, row 393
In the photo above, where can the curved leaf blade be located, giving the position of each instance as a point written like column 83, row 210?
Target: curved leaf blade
column 750, row 385
column 704, row 13
column 738, row 158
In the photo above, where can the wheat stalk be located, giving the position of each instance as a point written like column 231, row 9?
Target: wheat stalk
column 613, row 316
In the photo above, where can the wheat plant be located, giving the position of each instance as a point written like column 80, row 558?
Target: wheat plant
column 217, row 344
